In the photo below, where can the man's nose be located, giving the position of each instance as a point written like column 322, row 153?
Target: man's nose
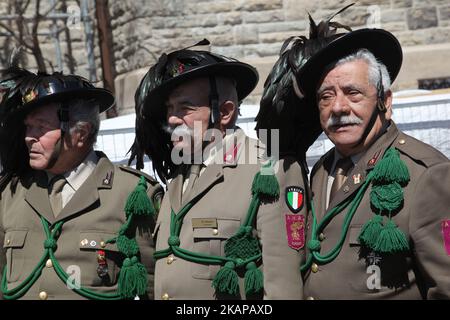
column 340, row 104
column 174, row 119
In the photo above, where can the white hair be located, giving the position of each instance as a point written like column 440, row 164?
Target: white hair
column 376, row 68
column 82, row 112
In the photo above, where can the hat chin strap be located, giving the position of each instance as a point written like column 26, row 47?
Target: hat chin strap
column 63, row 115
column 380, row 107
column 213, row 102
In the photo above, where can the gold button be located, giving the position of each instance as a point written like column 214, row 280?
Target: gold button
column 346, row 189
column 215, row 232
column 49, row 263
column 170, row 259
column 8, row 241
column 314, row 268
column 102, row 244
column 165, row 296
column 43, row 295
column 401, row 141
column 321, row 237
column 310, row 298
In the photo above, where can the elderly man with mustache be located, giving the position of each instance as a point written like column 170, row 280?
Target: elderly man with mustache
column 380, row 224
column 221, row 231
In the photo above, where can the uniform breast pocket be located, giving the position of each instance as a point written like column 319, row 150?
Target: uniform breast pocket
column 99, row 261
column 212, row 241
column 14, row 243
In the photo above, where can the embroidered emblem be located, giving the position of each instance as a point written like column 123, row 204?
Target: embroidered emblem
column 374, row 159
column 102, row 267
column 230, row 155
column 294, row 198
column 84, row 242
column 446, row 235
column 29, row 96
column 357, row 178
column 295, row 229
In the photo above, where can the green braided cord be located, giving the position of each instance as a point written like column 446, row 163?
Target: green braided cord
column 127, row 246
column 242, row 245
column 391, row 169
column 21, row 289
column 333, row 253
column 386, row 196
column 241, row 249
column 252, row 210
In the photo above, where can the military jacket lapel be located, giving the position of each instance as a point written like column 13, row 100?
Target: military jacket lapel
column 37, row 197
column 88, row 195
column 358, row 174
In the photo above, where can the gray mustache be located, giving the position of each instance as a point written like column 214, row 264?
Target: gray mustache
column 342, row 120
column 179, row 131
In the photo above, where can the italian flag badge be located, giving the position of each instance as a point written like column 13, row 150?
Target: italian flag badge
column 295, row 198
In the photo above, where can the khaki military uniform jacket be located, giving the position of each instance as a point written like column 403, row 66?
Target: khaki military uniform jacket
column 425, row 270
column 224, row 193
column 94, row 215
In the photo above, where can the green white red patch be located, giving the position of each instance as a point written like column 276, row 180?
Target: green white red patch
column 294, row 198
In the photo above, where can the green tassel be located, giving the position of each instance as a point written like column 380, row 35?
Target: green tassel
column 127, row 246
column 386, row 197
column 265, row 182
column 226, row 280
column 391, row 239
column 242, row 245
column 138, row 202
column 132, row 279
column 391, row 169
column 370, row 231
column 254, row 280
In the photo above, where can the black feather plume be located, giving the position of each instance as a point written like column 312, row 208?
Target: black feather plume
column 296, row 118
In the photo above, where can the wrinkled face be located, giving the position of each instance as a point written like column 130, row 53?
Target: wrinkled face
column 42, row 134
column 346, row 101
column 188, row 113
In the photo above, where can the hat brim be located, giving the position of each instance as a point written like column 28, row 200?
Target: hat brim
column 382, row 44
column 104, row 98
column 245, row 75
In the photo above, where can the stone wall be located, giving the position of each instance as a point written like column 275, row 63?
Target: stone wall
column 253, row 31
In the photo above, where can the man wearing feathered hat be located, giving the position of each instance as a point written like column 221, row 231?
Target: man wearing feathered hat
column 220, row 231
column 380, row 224
column 68, row 216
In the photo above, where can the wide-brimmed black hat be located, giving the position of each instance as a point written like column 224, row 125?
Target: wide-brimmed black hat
column 381, row 43
column 57, row 87
column 180, row 66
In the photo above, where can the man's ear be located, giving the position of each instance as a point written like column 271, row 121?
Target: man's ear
column 82, row 134
column 388, row 104
column 227, row 114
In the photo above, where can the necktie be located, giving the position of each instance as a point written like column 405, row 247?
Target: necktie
column 55, row 196
column 342, row 167
column 193, row 175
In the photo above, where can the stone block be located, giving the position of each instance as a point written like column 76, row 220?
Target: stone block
column 444, row 13
column 246, row 34
column 257, row 5
column 230, row 18
column 421, row 18
column 263, row 16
